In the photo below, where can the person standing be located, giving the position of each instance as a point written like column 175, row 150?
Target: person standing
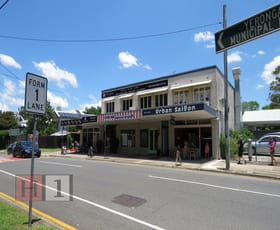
column 272, row 144
column 240, row 145
column 207, row 150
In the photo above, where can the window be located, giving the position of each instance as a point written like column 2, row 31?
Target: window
column 110, row 107
column 128, row 138
column 161, row 100
column 146, row 102
column 126, row 104
column 181, row 97
column 202, row 94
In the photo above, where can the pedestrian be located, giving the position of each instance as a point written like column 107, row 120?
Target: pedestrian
column 90, row 151
column 207, row 150
column 178, row 155
column 272, row 144
column 240, row 144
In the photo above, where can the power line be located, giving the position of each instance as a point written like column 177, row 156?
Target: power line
column 107, row 39
column 3, row 4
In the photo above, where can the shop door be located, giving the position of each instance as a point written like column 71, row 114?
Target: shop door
column 153, row 140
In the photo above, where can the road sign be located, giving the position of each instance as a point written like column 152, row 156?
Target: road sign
column 36, row 93
column 261, row 24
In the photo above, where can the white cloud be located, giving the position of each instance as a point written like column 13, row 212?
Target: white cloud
column 127, row 60
column 261, row 52
column 57, row 101
column 9, row 61
column 203, row 36
column 94, row 103
column 53, row 72
column 267, row 75
column 9, row 87
column 234, row 57
column 3, row 107
column 260, row 86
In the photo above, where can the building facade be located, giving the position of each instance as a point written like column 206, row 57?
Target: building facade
column 154, row 117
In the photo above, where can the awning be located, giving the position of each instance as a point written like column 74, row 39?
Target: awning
column 60, row 133
column 180, row 86
column 150, row 91
column 126, row 96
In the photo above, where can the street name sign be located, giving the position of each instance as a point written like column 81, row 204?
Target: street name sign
column 261, row 24
column 35, row 93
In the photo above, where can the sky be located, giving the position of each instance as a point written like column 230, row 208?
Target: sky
column 84, row 47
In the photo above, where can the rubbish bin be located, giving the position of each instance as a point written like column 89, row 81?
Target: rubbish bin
column 250, row 149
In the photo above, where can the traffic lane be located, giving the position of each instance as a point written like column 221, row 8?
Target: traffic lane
column 169, row 199
column 181, row 202
column 172, row 199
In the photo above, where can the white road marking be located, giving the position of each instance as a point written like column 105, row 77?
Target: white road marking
column 56, row 163
column 96, row 205
column 214, row 186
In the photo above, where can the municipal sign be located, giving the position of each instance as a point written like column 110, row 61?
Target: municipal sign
column 261, row 24
column 36, row 93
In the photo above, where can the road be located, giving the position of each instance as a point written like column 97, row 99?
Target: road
column 108, row 195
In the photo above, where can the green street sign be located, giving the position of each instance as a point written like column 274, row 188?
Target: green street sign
column 261, row 24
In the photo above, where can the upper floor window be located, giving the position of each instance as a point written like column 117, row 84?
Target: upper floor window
column 146, row 102
column 181, row 97
column 161, row 100
column 202, row 94
column 110, row 107
column 126, row 104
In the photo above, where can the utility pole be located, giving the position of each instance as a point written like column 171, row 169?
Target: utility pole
column 226, row 109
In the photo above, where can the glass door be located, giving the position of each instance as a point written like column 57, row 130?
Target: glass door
column 153, row 140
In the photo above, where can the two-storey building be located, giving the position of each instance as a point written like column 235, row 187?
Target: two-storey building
column 153, row 117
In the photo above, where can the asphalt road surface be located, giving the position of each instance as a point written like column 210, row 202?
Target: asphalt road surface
column 108, row 195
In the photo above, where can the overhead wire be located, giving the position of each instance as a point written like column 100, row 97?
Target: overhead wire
column 108, row 39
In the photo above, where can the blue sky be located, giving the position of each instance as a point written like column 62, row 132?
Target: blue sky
column 80, row 46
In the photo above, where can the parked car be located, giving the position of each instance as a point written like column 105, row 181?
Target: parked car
column 10, row 148
column 24, row 149
column 261, row 145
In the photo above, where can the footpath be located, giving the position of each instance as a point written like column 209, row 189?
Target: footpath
column 258, row 167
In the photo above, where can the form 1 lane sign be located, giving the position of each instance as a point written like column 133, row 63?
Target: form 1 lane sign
column 36, row 93
column 261, row 24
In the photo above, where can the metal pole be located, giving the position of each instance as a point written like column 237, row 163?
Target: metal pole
column 32, row 172
column 226, row 96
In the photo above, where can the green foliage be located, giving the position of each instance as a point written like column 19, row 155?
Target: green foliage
column 7, row 120
column 93, row 110
column 234, row 136
column 274, row 94
column 250, row 106
column 45, row 123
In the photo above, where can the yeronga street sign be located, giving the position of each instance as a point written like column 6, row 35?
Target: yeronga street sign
column 261, row 24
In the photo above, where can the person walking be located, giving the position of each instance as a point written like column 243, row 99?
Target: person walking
column 240, row 145
column 272, row 144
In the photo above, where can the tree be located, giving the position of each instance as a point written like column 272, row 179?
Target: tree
column 8, row 120
column 93, row 110
column 45, row 123
column 274, row 94
column 250, row 106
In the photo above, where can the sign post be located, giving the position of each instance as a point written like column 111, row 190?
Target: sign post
column 36, row 103
column 261, row 24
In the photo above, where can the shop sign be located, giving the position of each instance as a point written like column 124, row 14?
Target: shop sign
column 120, row 116
column 173, row 109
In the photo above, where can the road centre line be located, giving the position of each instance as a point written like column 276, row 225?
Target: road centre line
column 56, row 163
column 95, row 204
column 215, row 186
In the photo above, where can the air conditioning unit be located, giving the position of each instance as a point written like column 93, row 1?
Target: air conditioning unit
column 132, row 108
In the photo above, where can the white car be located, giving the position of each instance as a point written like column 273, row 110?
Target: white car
column 261, row 146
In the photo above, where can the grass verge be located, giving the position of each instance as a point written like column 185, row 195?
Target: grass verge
column 13, row 218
